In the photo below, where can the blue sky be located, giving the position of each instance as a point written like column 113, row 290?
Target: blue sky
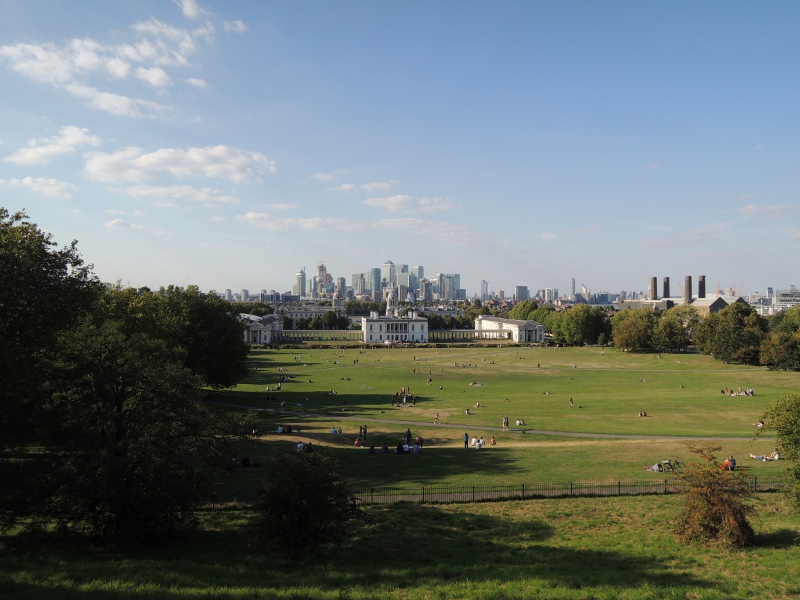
column 228, row 144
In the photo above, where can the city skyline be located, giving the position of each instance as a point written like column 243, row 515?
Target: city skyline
column 228, row 145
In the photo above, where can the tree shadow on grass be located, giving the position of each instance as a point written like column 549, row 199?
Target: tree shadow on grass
column 447, row 545
column 405, row 546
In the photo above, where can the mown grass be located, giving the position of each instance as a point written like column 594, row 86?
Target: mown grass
column 681, row 392
column 570, row 548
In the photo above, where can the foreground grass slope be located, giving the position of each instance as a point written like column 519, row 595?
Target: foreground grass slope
column 574, row 548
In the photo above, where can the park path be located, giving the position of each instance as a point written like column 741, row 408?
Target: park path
column 461, row 426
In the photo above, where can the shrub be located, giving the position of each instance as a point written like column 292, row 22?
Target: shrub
column 305, row 504
column 716, row 509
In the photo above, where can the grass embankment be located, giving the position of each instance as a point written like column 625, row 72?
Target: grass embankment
column 569, row 548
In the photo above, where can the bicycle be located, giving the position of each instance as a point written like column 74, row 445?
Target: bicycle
column 672, row 467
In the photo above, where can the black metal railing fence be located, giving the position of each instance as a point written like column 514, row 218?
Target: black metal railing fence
column 444, row 494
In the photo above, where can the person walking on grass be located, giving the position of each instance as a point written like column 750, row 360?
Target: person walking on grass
column 466, row 440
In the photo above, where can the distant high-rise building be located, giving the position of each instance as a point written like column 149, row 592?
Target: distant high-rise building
column 341, row 284
column 521, row 293
column 417, row 273
column 299, row 288
column 228, row 295
column 389, row 272
column 572, row 287
column 425, row 290
column 374, row 281
column 484, row 290
column 244, row 295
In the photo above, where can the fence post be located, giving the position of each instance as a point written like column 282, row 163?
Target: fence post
column 423, row 494
column 570, row 488
column 473, row 493
column 523, row 490
column 371, row 496
column 619, row 488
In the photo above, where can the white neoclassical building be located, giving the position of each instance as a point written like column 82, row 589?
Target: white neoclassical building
column 393, row 328
column 262, row 330
column 521, row 332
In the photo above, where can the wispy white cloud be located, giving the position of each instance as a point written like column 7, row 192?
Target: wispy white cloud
column 377, row 186
column 133, row 164
column 392, row 203
column 265, row 221
column 44, row 150
column 191, row 9
column 234, row 26
column 116, row 104
column 771, row 211
column 653, row 166
column 207, row 196
column 48, row 187
column 155, row 76
column 330, row 223
column 330, row 176
column 81, row 65
column 548, row 237
column 410, row 204
column 448, row 233
column 123, row 224
column 345, row 187
column 198, row 83
column 282, row 205
column 271, row 223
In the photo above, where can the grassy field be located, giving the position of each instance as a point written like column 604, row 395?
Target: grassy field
column 680, row 392
column 567, row 548
column 571, row 548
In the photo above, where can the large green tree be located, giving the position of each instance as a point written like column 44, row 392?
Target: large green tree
column 781, row 348
column 675, row 327
column 633, row 328
column 43, row 290
column 581, row 324
column 204, row 326
column 734, row 334
column 131, row 442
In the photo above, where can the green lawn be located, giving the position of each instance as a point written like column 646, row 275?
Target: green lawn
column 569, row 548
column 681, row 392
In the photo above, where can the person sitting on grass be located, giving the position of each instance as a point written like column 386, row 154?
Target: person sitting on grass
column 399, row 449
column 385, row 448
column 656, row 468
column 493, row 442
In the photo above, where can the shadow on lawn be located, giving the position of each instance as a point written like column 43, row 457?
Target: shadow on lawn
column 404, row 546
column 780, row 539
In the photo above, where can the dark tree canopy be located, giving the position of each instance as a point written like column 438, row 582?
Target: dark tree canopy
column 305, row 503
column 102, row 427
column 129, row 434
column 43, row 290
column 732, row 335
